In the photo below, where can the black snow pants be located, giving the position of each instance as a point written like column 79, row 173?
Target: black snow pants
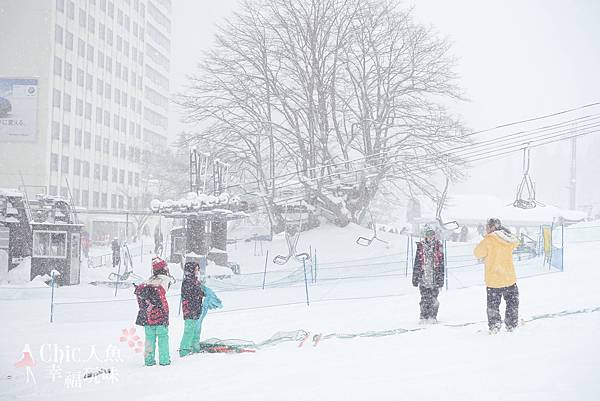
column 511, row 297
column 429, row 302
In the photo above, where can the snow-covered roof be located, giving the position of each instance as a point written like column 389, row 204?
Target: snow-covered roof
column 12, row 192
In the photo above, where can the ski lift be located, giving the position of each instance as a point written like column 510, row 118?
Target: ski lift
column 292, row 234
column 126, row 259
column 526, row 186
column 364, row 241
column 449, row 225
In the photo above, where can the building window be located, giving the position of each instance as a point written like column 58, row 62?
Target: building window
column 100, row 59
column 121, row 176
column 53, row 190
column 90, row 53
column 66, row 102
column 113, row 201
column 91, row 24
column 115, row 151
column 96, row 171
column 80, row 76
column 121, row 206
column 104, row 173
column 76, row 166
column 78, row 136
column 55, row 130
column 88, row 111
column 116, row 122
column 68, row 72
column 85, row 198
column 123, row 153
column 106, row 119
column 104, row 201
column 86, row 169
column 96, row 200
column 98, row 115
column 115, row 174
column 123, row 125
column 69, row 40
column 79, row 107
column 99, row 87
column 60, row 5
column 109, row 36
column 111, row 9
column 50, row 244
column 64, row 164
column 106, row 146
column 82, row 18
column 80, row 48
column 102, row 31
column 87, row 140
column 107, row 90
column 71, row 9
column 130, row 178
column 137, row 179
column 89, row 82
column 58, row 34
column 103, row 5
column 53, row 162
column 66, row 133
column 76, row 199
column 57, row 66
column 98, row 143
column 56, row 98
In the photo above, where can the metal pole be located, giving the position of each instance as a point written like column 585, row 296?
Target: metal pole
column 562, row 247
column 406, row 264
column 118, row 275
column 265, row 273
column 312, row 277
column 52, row 300
column 305, row 281
column 315, row 265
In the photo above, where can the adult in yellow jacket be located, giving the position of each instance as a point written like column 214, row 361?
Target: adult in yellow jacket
column 500, row 278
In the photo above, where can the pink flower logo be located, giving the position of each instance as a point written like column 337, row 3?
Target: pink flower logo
column 133, row 341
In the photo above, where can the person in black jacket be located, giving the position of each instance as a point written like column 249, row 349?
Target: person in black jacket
column 191, row 303
column 428, row 274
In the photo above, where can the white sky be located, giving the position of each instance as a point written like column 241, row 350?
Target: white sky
column 516, row 59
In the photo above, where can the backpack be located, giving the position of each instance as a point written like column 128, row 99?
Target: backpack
column 153, row 306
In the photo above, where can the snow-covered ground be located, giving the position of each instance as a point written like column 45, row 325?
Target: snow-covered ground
column 372, row 347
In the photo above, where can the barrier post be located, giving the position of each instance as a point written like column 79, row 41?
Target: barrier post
column 265, row 273
column 305, row 281
column 53, row 274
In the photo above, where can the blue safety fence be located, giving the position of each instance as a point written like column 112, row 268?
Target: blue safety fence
column 298, row 283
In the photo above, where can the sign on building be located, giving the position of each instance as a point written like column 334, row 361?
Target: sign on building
column 18, row 109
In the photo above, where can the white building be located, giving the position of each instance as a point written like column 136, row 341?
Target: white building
column 101, row 69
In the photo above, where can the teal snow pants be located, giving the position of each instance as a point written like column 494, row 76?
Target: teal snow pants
column 190, row 342
column 152, row 334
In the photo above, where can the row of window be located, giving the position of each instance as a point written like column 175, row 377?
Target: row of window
column 66, row 38
column 133, row 154
column 101, row 172
column 99, row 199
column 121, row 71
column 64, row 101
column 107, row 7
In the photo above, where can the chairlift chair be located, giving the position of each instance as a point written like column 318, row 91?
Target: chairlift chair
column 291, row 237
column 364, row 241
column 448, row 225
column 526, row 186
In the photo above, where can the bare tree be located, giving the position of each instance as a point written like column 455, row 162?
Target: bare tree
column 326, row 93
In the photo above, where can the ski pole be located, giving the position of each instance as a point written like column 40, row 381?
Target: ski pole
column 265, row 273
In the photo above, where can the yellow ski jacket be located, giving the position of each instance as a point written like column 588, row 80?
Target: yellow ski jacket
column 496, row 249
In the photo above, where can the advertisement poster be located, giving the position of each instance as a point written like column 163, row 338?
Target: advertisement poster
column 18, row 109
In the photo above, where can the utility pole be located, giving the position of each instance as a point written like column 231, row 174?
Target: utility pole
column 573, row 179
